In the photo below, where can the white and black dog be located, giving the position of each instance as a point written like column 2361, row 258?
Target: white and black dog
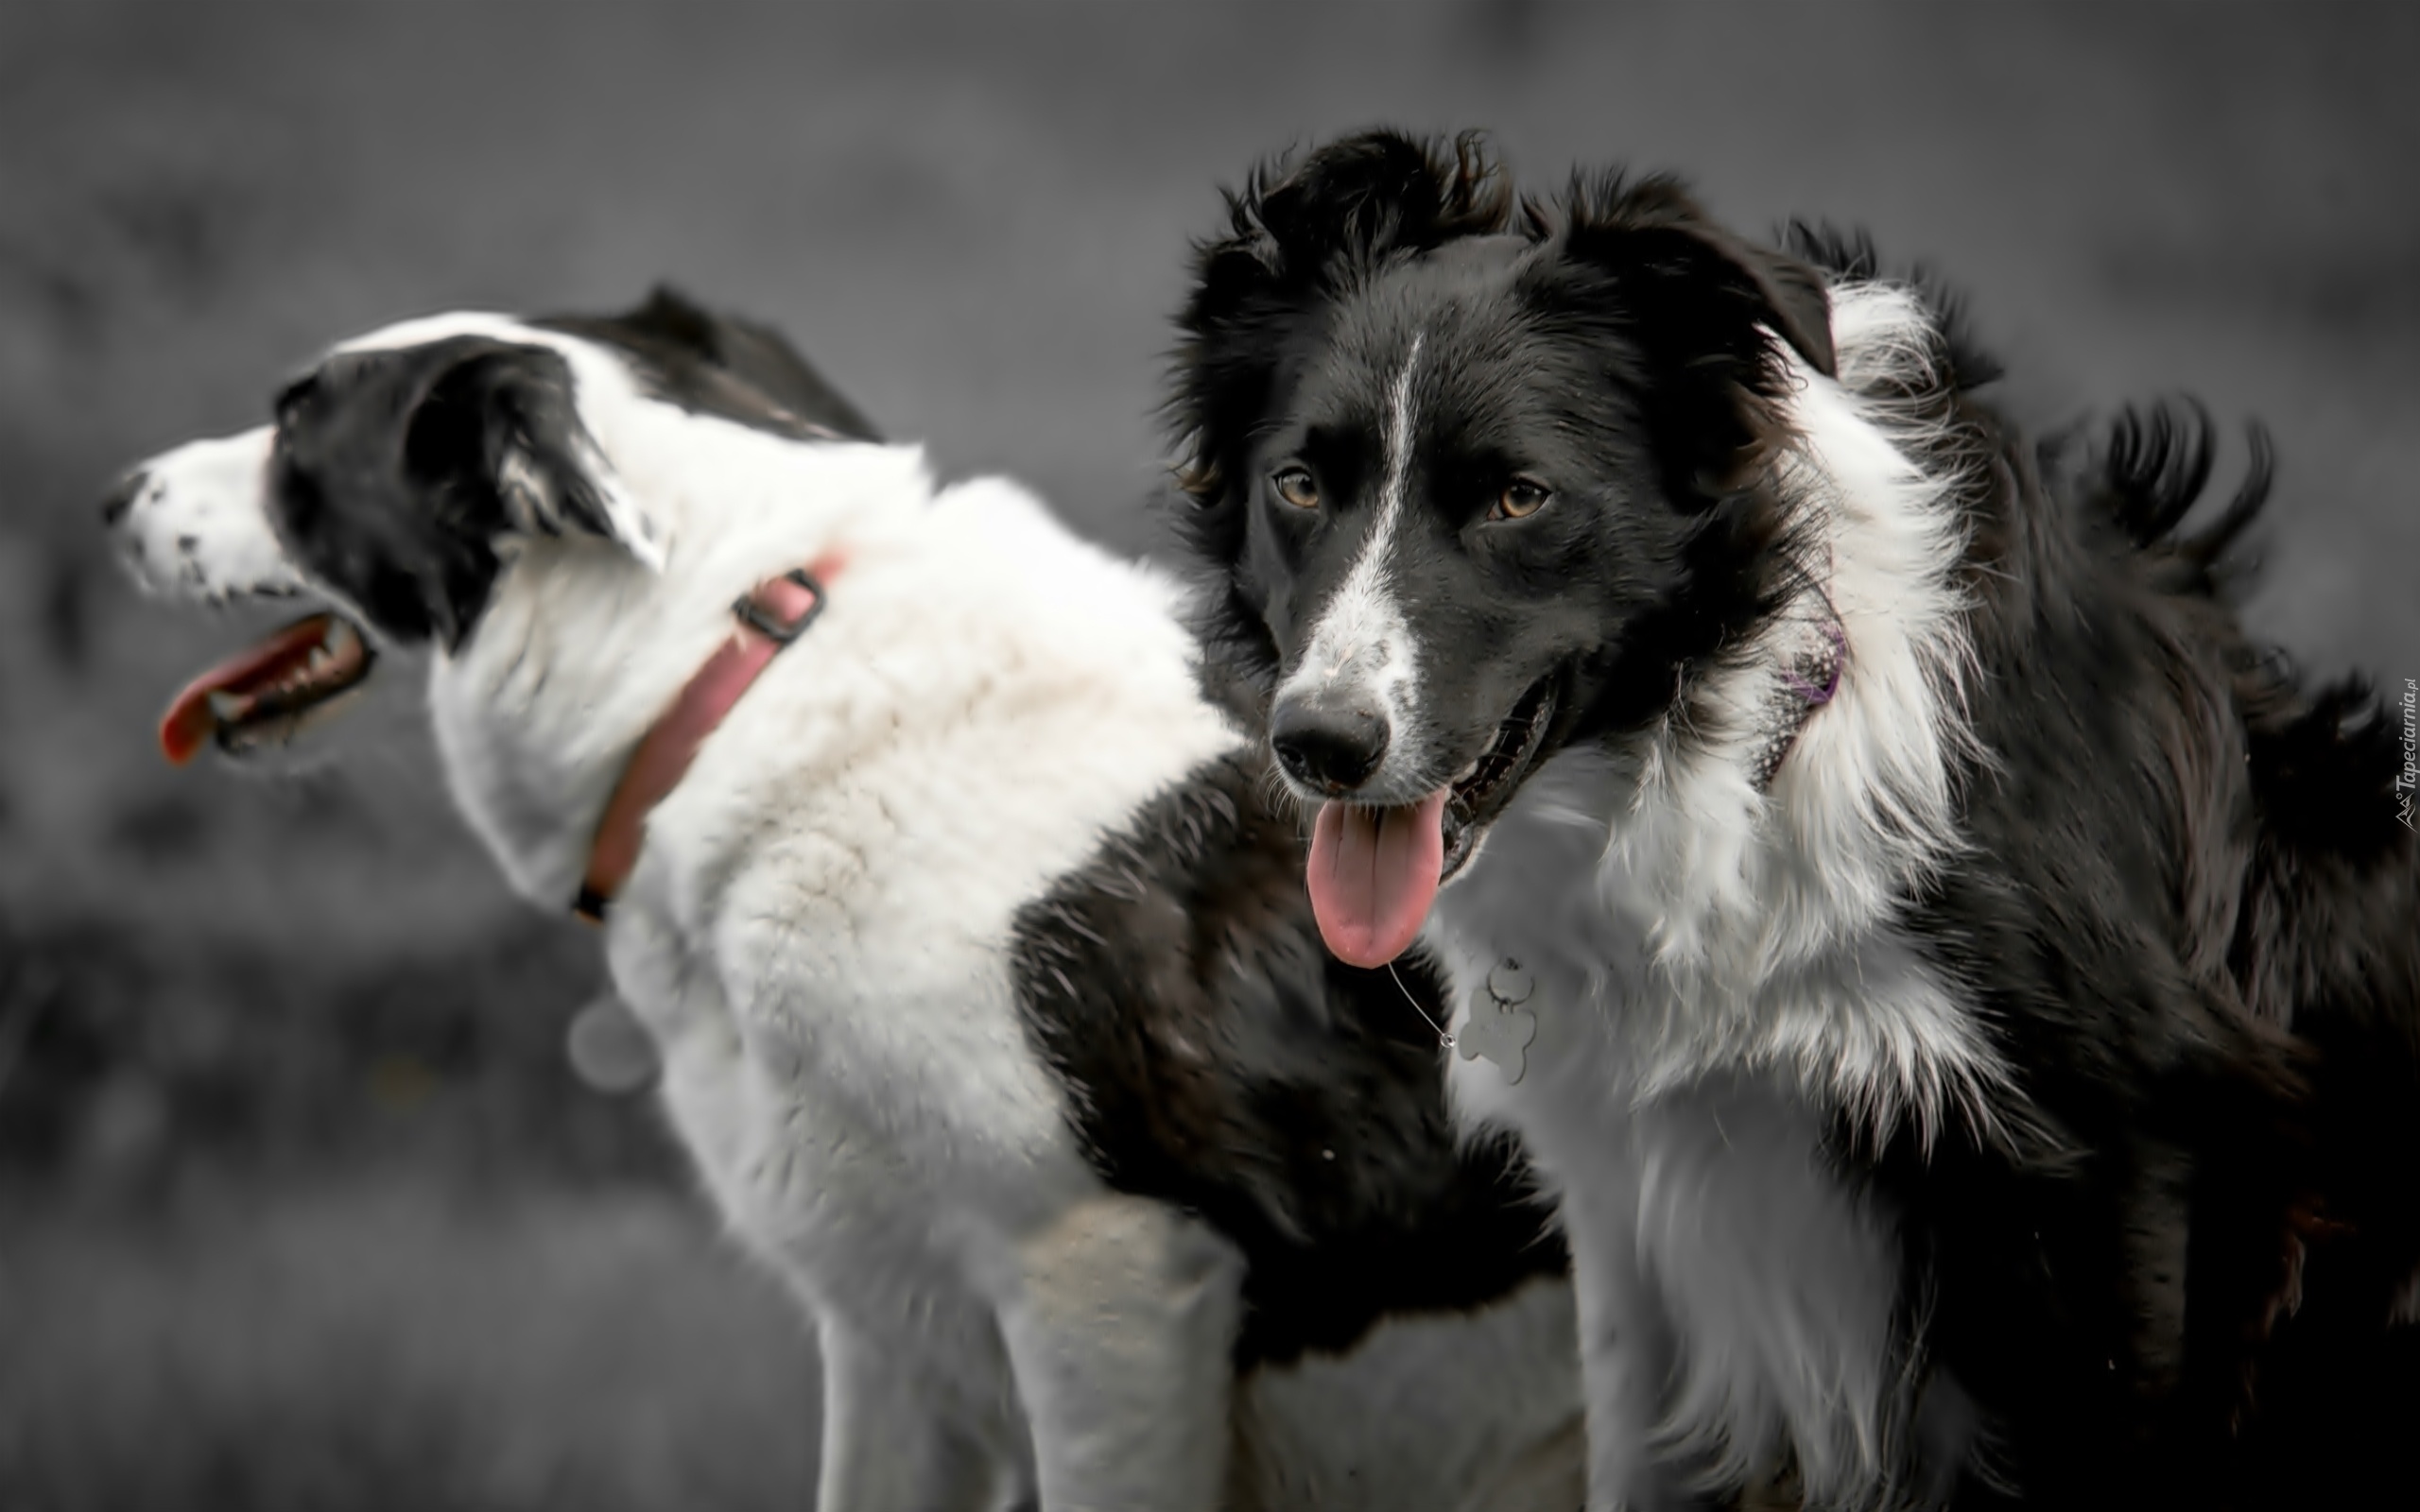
column 988, row 1000
column 1964, row 997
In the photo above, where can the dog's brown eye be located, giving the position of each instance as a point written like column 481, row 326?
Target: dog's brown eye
column 1521, row 498
column 1295, row 486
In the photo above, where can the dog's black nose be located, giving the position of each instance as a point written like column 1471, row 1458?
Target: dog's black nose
column 121, row 498
column 1332, row 747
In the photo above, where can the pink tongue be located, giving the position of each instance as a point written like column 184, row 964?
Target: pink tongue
column 191, row 717
column 1374, row 874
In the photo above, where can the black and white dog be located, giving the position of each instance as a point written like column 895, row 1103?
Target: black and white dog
column 1964, row 997
column 988, row 1000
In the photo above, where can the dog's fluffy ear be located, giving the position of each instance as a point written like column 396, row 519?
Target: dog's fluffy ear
column 1345, row 208
column 505, row 417
column 1699, row 308
column 1682, row 267
column 1297, row 231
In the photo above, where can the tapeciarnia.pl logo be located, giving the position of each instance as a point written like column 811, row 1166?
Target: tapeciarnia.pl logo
column 2407, row 779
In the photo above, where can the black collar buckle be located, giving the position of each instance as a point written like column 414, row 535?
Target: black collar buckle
column 754, row 613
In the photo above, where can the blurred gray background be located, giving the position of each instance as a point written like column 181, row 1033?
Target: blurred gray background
column 299, row 1203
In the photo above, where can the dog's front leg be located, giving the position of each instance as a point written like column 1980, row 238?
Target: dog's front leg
column 1120, row 1320
column 887, row 1445
column 1626, row 1348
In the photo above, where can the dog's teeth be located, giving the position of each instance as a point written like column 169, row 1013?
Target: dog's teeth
column 320, row 660
column 1467, row 773
column 225, row 706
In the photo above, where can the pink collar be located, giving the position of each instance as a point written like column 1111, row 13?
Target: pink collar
column 770, row 616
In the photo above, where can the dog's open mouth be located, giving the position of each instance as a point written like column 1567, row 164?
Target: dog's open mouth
column 263, row 695
column 1374, row 871
column 1478, row 793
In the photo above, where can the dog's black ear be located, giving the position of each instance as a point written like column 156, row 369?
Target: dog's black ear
column 499, row 429
column 1349, row 206
column 1692, row 276
column 1299, row 230
column 400, row 471
column 1700, row 310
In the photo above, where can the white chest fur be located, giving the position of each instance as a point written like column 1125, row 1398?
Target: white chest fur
column 1736, row 1297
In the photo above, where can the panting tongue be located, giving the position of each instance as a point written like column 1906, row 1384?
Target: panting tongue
column 311, row 660
column 1373, row 875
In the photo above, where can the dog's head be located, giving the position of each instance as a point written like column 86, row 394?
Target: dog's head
column 1478, row 480
column 406, row 471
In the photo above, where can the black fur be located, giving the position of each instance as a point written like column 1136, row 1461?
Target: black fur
column 2183, row 857
column 1222, row 1059
column 715, row 365
column 398, row 470
column 2185, row 912
column 388, row 476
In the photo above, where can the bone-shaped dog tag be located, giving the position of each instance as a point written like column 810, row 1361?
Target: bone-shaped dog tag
column 1501, row 1033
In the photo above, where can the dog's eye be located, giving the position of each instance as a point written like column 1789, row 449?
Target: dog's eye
column 1521, row 498
column 1294, row 484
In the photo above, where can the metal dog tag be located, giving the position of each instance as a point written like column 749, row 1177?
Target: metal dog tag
column 1499, row 1031
column 610, row 1048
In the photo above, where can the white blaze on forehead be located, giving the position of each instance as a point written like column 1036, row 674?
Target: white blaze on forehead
column 1398, row 444
column 1361, row 645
